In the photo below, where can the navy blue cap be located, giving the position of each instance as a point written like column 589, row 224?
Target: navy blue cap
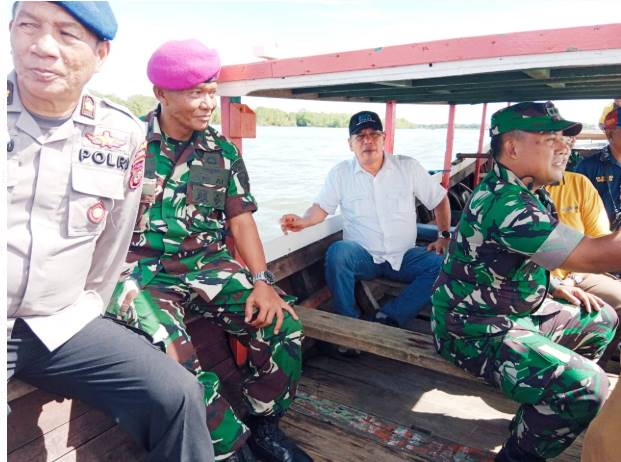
column 95, row 16
column 362, row 120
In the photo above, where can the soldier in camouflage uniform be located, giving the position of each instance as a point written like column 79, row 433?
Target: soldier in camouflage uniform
column 194, row 181
column 491, row 312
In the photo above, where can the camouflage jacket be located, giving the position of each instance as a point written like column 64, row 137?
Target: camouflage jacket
column 190, row 190
column 497, row 264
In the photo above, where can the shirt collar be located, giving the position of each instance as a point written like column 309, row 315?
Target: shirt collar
column 507, row 175
column 16, row 104
column 206, row 140
column 606, row 155
column 386, row 165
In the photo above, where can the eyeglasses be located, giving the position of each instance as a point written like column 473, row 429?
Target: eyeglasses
column 373, row 136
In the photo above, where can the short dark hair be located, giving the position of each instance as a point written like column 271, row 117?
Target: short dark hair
column 497, row 141
column 495, row 146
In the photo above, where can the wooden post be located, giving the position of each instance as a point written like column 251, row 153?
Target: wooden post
column 448, row 154
column 477, row 167
column 391, row 112
column 225, row 117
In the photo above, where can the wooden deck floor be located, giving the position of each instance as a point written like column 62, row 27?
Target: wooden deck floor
column 375, row 409
column 348, row 409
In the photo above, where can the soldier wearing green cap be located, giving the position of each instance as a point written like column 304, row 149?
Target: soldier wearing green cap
column 494, row 313
column 74, row 175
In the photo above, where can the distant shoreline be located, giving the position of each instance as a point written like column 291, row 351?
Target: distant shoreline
column 270, row 117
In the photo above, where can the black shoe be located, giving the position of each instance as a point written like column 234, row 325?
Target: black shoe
column 243, row 454
column 270, row 444
column 511, row 452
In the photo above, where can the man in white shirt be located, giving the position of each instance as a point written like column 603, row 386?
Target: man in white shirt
column 377, row 195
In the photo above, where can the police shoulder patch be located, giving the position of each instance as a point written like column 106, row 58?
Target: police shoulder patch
column 137, row 169
column 87, row 107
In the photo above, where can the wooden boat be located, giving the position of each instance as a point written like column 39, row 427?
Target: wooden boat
column 398, row 400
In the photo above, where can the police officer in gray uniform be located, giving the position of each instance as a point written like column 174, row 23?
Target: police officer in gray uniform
column 75, row 165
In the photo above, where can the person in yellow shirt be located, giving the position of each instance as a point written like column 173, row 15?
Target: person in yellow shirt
column 579, row 205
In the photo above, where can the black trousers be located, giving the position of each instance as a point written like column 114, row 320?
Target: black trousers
column 158, row 402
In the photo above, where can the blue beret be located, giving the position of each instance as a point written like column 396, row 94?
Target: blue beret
column 95, row 16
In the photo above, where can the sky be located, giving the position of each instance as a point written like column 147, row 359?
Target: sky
column 239, row 29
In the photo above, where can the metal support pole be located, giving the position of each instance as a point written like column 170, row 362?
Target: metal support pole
column 391, row 113
column 448, row 154
column 477, row 167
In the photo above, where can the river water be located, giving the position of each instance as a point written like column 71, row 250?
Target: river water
column 287, row 165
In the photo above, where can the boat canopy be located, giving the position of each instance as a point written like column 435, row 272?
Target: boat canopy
column 556, row 64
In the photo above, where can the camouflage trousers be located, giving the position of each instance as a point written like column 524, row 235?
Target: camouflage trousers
column 274, row 360
column 547, row 363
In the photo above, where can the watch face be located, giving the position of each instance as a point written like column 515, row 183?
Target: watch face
column 445, row 234
column 269, row 277
column 266, row 276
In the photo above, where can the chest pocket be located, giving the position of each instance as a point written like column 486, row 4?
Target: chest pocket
column 91, row 198
column 356, row 206
column 207, row 187
column 401, row 201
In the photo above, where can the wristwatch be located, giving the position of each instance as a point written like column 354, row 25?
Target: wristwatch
column 444, row 235
column 265, row 276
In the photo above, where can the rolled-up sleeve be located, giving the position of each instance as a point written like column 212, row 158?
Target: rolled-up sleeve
column 520, row 224
column 557, row 247
column 238, row 197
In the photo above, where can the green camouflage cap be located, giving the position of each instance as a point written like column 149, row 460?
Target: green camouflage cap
column 532, row 117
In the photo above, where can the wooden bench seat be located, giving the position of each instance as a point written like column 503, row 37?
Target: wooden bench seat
column 389, row 342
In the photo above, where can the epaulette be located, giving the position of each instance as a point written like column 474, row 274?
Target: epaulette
column 9, row 92
column 88, row 107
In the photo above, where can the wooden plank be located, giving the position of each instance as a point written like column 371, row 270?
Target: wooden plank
column 370, row 296
column 389, row 342
column 65, row 438
column 319, row 298
column 113, row 445
column 467, row 413
column 326, row 443
column 410, row 443
column 36, row 414
column 16, row 389
column 385, row 286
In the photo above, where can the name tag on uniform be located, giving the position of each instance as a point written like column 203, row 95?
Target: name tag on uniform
column 207, row 175
column 200, row 195
column 603, row 179
column 211, row 159
column 105, row 147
